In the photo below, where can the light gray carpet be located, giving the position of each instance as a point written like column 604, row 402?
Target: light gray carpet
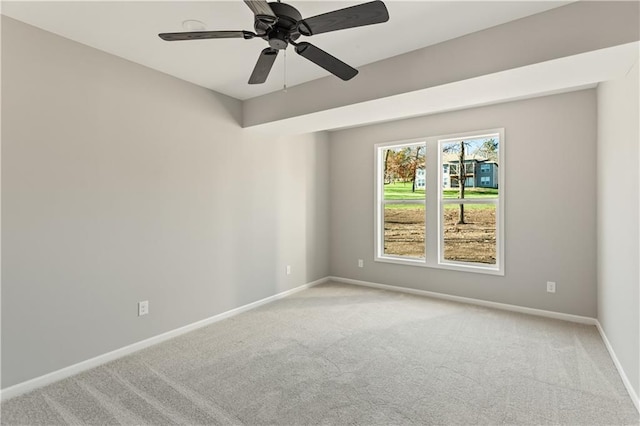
column 338, row 354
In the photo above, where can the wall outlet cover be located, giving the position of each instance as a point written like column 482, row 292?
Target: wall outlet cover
column 143, row 308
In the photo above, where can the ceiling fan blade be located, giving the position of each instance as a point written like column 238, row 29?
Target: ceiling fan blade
column 262, row 10
column 374, row 12
column 330, row 63
column 263, row 66
column 201, row 35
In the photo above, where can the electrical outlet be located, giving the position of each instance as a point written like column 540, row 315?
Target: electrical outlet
column 143, row 308
column 551, row 287
column 360, row 263
column 288, row 269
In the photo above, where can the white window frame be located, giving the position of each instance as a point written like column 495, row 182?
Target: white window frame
column 380, row 203
column 434, row 176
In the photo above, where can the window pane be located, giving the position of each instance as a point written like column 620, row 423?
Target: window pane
column 474, row 238
column 404, row 172
column 404, row 230
column 480, row 173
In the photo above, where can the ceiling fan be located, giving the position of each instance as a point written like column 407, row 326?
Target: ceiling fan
column 281, row 24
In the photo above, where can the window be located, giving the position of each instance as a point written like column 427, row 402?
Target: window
column 485, row 168
column 426, row 217
column 468, row 167
column 401, row 201
column 468, row 225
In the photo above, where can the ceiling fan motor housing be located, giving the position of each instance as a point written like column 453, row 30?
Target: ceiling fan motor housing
column 284, row 30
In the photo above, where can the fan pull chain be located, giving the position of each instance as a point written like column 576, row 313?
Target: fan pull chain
column 284, row 87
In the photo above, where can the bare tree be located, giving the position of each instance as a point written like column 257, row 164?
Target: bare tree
column 403, row 164
column 418, row 160
column 386, row 166
column 462, row 180
column 460, row 150
column 393, row 165
column 489, row 150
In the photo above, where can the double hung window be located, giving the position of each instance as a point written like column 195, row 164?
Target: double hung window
column 432, row 207
column 401, row 200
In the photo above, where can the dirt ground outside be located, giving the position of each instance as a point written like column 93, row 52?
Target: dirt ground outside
column 475, row 241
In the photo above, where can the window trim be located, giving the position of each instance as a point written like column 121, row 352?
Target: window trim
column 380, row 203
column 434, row 244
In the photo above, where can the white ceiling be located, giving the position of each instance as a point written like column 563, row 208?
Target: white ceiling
column 129, row 30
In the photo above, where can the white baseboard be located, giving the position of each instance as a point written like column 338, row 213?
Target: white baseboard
column 74, row 369
column 616, row 362
column 486, row 303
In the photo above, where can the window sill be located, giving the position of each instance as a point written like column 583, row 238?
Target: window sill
column 460, row 267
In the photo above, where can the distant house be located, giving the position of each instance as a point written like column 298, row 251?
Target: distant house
column 421, row 182
column 479, row 173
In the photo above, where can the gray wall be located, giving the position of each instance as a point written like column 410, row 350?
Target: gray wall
column 618, row 215
column 122, row 184
column 550, row 222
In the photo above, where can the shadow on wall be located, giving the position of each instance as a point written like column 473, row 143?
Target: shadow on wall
column 277, row 212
